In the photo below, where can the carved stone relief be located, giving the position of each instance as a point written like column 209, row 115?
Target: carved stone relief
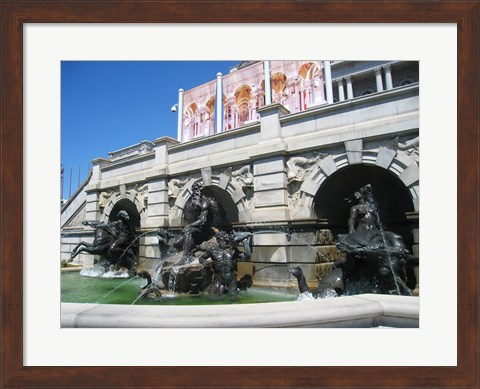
column 243, row 176
column 299, row 167
column 103, row 199
column 410, row 149
column 142, row 195
column 175, row 185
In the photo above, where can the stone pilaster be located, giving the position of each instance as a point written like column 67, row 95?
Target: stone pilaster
column 157, row 208
column 92, row 210
column 270, row 120
column 270, row 183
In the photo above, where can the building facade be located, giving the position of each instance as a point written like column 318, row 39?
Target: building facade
column 282, row 151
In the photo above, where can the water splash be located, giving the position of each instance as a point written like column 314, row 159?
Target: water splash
column 385, row 244
column 172, row 278
column 96, row 272
column 305, row 296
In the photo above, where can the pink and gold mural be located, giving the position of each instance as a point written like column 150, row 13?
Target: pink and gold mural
column 297, row 85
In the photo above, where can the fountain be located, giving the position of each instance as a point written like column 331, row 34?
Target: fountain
column 116, row 242
column 374, row 261
column 199, row 265
column 188, row 271
column 203, row 257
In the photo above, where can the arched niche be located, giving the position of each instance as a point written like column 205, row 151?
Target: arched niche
column 226, row 214
column 129, row 207
column 335, row 198
column 229, row 195
column 228, row 209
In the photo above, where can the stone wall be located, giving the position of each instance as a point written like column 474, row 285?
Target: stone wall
column 266, row 175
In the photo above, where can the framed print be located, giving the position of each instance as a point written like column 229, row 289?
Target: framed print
column 39, row 39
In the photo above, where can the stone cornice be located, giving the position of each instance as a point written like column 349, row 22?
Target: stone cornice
column 165, row 140
column 282, row 111
column 252, row 127
column 352, row 102
column 109, row 165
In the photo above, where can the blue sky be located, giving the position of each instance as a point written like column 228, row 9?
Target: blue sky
column 108, row 105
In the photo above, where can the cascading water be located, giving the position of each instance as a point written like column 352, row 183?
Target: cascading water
column 385, row 243
column 173, row 278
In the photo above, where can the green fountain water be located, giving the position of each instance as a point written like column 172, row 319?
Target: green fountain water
column 78, row 289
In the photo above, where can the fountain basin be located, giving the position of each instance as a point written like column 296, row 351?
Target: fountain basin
column 360, row 311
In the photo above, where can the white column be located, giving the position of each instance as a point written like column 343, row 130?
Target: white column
column 219, row 105
column 348, row 79
column 328, row 82
column 378, row 79
column 388, row 76
column 180, row 115
column 341, row 91
column 268, row 84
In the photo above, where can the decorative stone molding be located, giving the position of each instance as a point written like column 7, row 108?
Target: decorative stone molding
column 207, row 176
column 103, row 199
column 222, row 181
column 354, row 151
column 131, row 195
column 139, row 196
column 131, row 151
column 387, row 153
column 175, row 185
column 299, row 167
column 143, row 193
column 304, row 197
column 328, row 165
column 410, row 149
column 410, row 175
column 243, row 176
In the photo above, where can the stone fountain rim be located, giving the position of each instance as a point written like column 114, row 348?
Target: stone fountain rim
column 366, row 310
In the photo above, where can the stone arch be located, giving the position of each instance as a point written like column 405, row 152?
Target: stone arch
column 409, row 175
column 128, row 206
column 132, row 203
column 334, row 198
column 222, row 186
column 124, row 204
